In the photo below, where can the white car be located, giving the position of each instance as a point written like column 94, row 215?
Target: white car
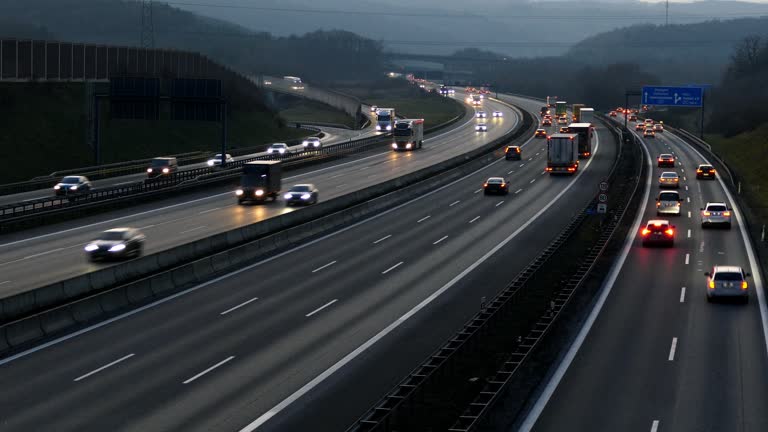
column 497, row 114
column 481, row 127
column 668, row 203
column 481, row 114
column 279, row 148
column 716, row 213
column 216, row 161
column 312, row 143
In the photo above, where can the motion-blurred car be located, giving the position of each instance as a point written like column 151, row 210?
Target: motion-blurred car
column 563, row 129
column 312, row 143
column 649, row 133
column 513, row 152
column 705, row 171
column 540, row 133
column 668, row 203
column 162, row 166
column 639, row 127
column 727, row 281
column 72, row 185
column 612, row 114
column 481, row 114
column 216, row 161
column 481, row 127
column 666, row 160
column 648, row 121
column 303, row 194
column 562, row 120
column 658, row 127
column 279, row 149
column 546, row 122
column 632, row 117
column 498, row 114
column 116, row 243
column 658, row 232
column 495, row 185
column 669, row 179
column 716, row 214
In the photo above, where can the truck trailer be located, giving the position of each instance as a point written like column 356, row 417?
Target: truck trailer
column 563, row 154
column 260, row 180
column 561, row 109
column 576, row 109
column 408, row 134
column 586, row 115
column 586, row 134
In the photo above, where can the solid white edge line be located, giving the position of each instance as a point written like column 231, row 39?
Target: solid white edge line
column 533, row 415
column 682, row 295
column 108, row 365
column 232, row 309
column 756, row 270
column 189, row 380
column 672, row 349
column 384, row 332
column 321, row 308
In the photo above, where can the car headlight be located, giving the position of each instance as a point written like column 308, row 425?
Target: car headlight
column 149, row 170
column 259, row 192
column 408, row 145
column 210, row 162
column 394, row 145
column 317, row 143
column 305, row 143
column 389, row 127
column 73, row 188
column 287, row 196
column 91, row 247
column 281, row 151
column 378, row 127
column 166, row 170
column 57, row 187
column 117, row 248
column 239, row 192
column 306, row 196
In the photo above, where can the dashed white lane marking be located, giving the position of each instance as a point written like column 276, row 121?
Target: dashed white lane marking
column 687, row 258
column 423, row 219
column 478, row 191
column 392, row 268
column 686, row 188
column 689, row 199
column 499, row 203
column 689, row 214
column 533, row 181
column 682, row 169
column 543, row 172
column 476, row 218
column 701, row 247
column 655, row 426
column 672, row 349
column 337, row 175
column 323, row 267
column 5, row 282
column 239, row 306
column 193, row 229
column 685, row 179
column 382, row 239
column 454, row 203
column 689, row 233
column 209, row 210
column 221, row 363
column 321, row 308
column 43, row 253
column 511, row 172
column 682, row 295
column 518, row 191
column 522, row 165
column 443, row 238
column 95, row 371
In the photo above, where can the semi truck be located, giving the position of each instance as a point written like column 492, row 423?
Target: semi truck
column 586, row 115
column 385, row 119
column 551, row 101
column 561, row 109
column 260, row 180
column 575, row 109
column 586, row 134
column 563, row 154
column 409, row 134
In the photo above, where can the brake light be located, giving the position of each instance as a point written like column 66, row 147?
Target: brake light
column 645, row 231
column 711, row 284
column 726, row 213
column 485, row 184
column 657, row 224
column 698, row 171
column 670, row 232
column 744, row 285
column 706, row 213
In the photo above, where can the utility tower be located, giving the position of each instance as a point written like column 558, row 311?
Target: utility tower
column 666, row 18
column 147, row 26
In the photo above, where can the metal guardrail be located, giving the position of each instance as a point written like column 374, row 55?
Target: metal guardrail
column 391, row 411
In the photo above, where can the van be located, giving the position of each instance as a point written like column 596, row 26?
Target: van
column 162, row 166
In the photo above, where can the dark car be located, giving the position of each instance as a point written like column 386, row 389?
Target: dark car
column 162, row 166
column 666, row 160
column 658, row 232
column 496, row 185
column 513, row 152
column 72, row 185
column 116, row 243
column 302, row 194
column 632, row 117
column 705, row 171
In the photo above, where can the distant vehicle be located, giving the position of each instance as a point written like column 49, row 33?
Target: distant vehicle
column 668, row 203
column 481, row 114
column 727, row 281
column 544, row 111
column 281, row 149
column 666, row 160
column 162, row 166
column 562, row 120
column 72, row 185
column 495, row 185
column 476, row 100
column 640, row 127
column 648, row 121
column 586, row 115
column 547, row 117
column 586, row 134
column 267, row 82
column 658, row 232
column 632, row 117
column 658, row 127
column 303, row 194
column 374, row 108
column 297, row 87
column 481, row 127
column 563, row 154
column 260, row 180
column 408, row 134
column 669, row 179
column 540, row 133
column 551, row 101
column 563, row 129
column 513, row 152
column 292, row 79
column 498, row 114
column 385, row 119
column 116, row 243
column 649, row 133
column 717, row 214
column 561, row 109
column 312, row 143
column 576, row 112
column 612, row 114
column 216, row 161
column 546, row 122
column 705, row 171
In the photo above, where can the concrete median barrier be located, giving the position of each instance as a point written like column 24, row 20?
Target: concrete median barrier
column 57, row 321
column 19, row 305
column 24, row 331
column 49, row 296
column 103, row 279
column 87, row 310
column 162, row 284
column 77, row 287
column 140, row 291
column 114, row 300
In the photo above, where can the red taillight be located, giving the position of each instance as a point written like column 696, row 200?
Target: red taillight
column 706, row 213
column 744, row 285
column 698, row 171
column 670, row 232
column 645, row 231
column 726, row 213
column 548, row 169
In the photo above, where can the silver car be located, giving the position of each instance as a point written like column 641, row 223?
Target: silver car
column 716, row 214
column 669, row 179
column 727, row 281
column 668, row 203
column 481, row 127
column 279, row 148
column 312, row 143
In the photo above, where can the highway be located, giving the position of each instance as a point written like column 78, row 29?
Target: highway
column 658, row 356
column 308, row 339
column 58, row 248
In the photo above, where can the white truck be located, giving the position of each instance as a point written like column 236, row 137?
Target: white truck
column 409, row 134
column 385, row 119
column 562, row 154
column 586, row 115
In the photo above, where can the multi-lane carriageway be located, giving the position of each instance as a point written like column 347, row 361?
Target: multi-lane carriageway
column 310, row 338
column 658, row 357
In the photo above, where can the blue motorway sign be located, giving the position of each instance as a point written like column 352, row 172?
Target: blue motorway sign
column 673, row 96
